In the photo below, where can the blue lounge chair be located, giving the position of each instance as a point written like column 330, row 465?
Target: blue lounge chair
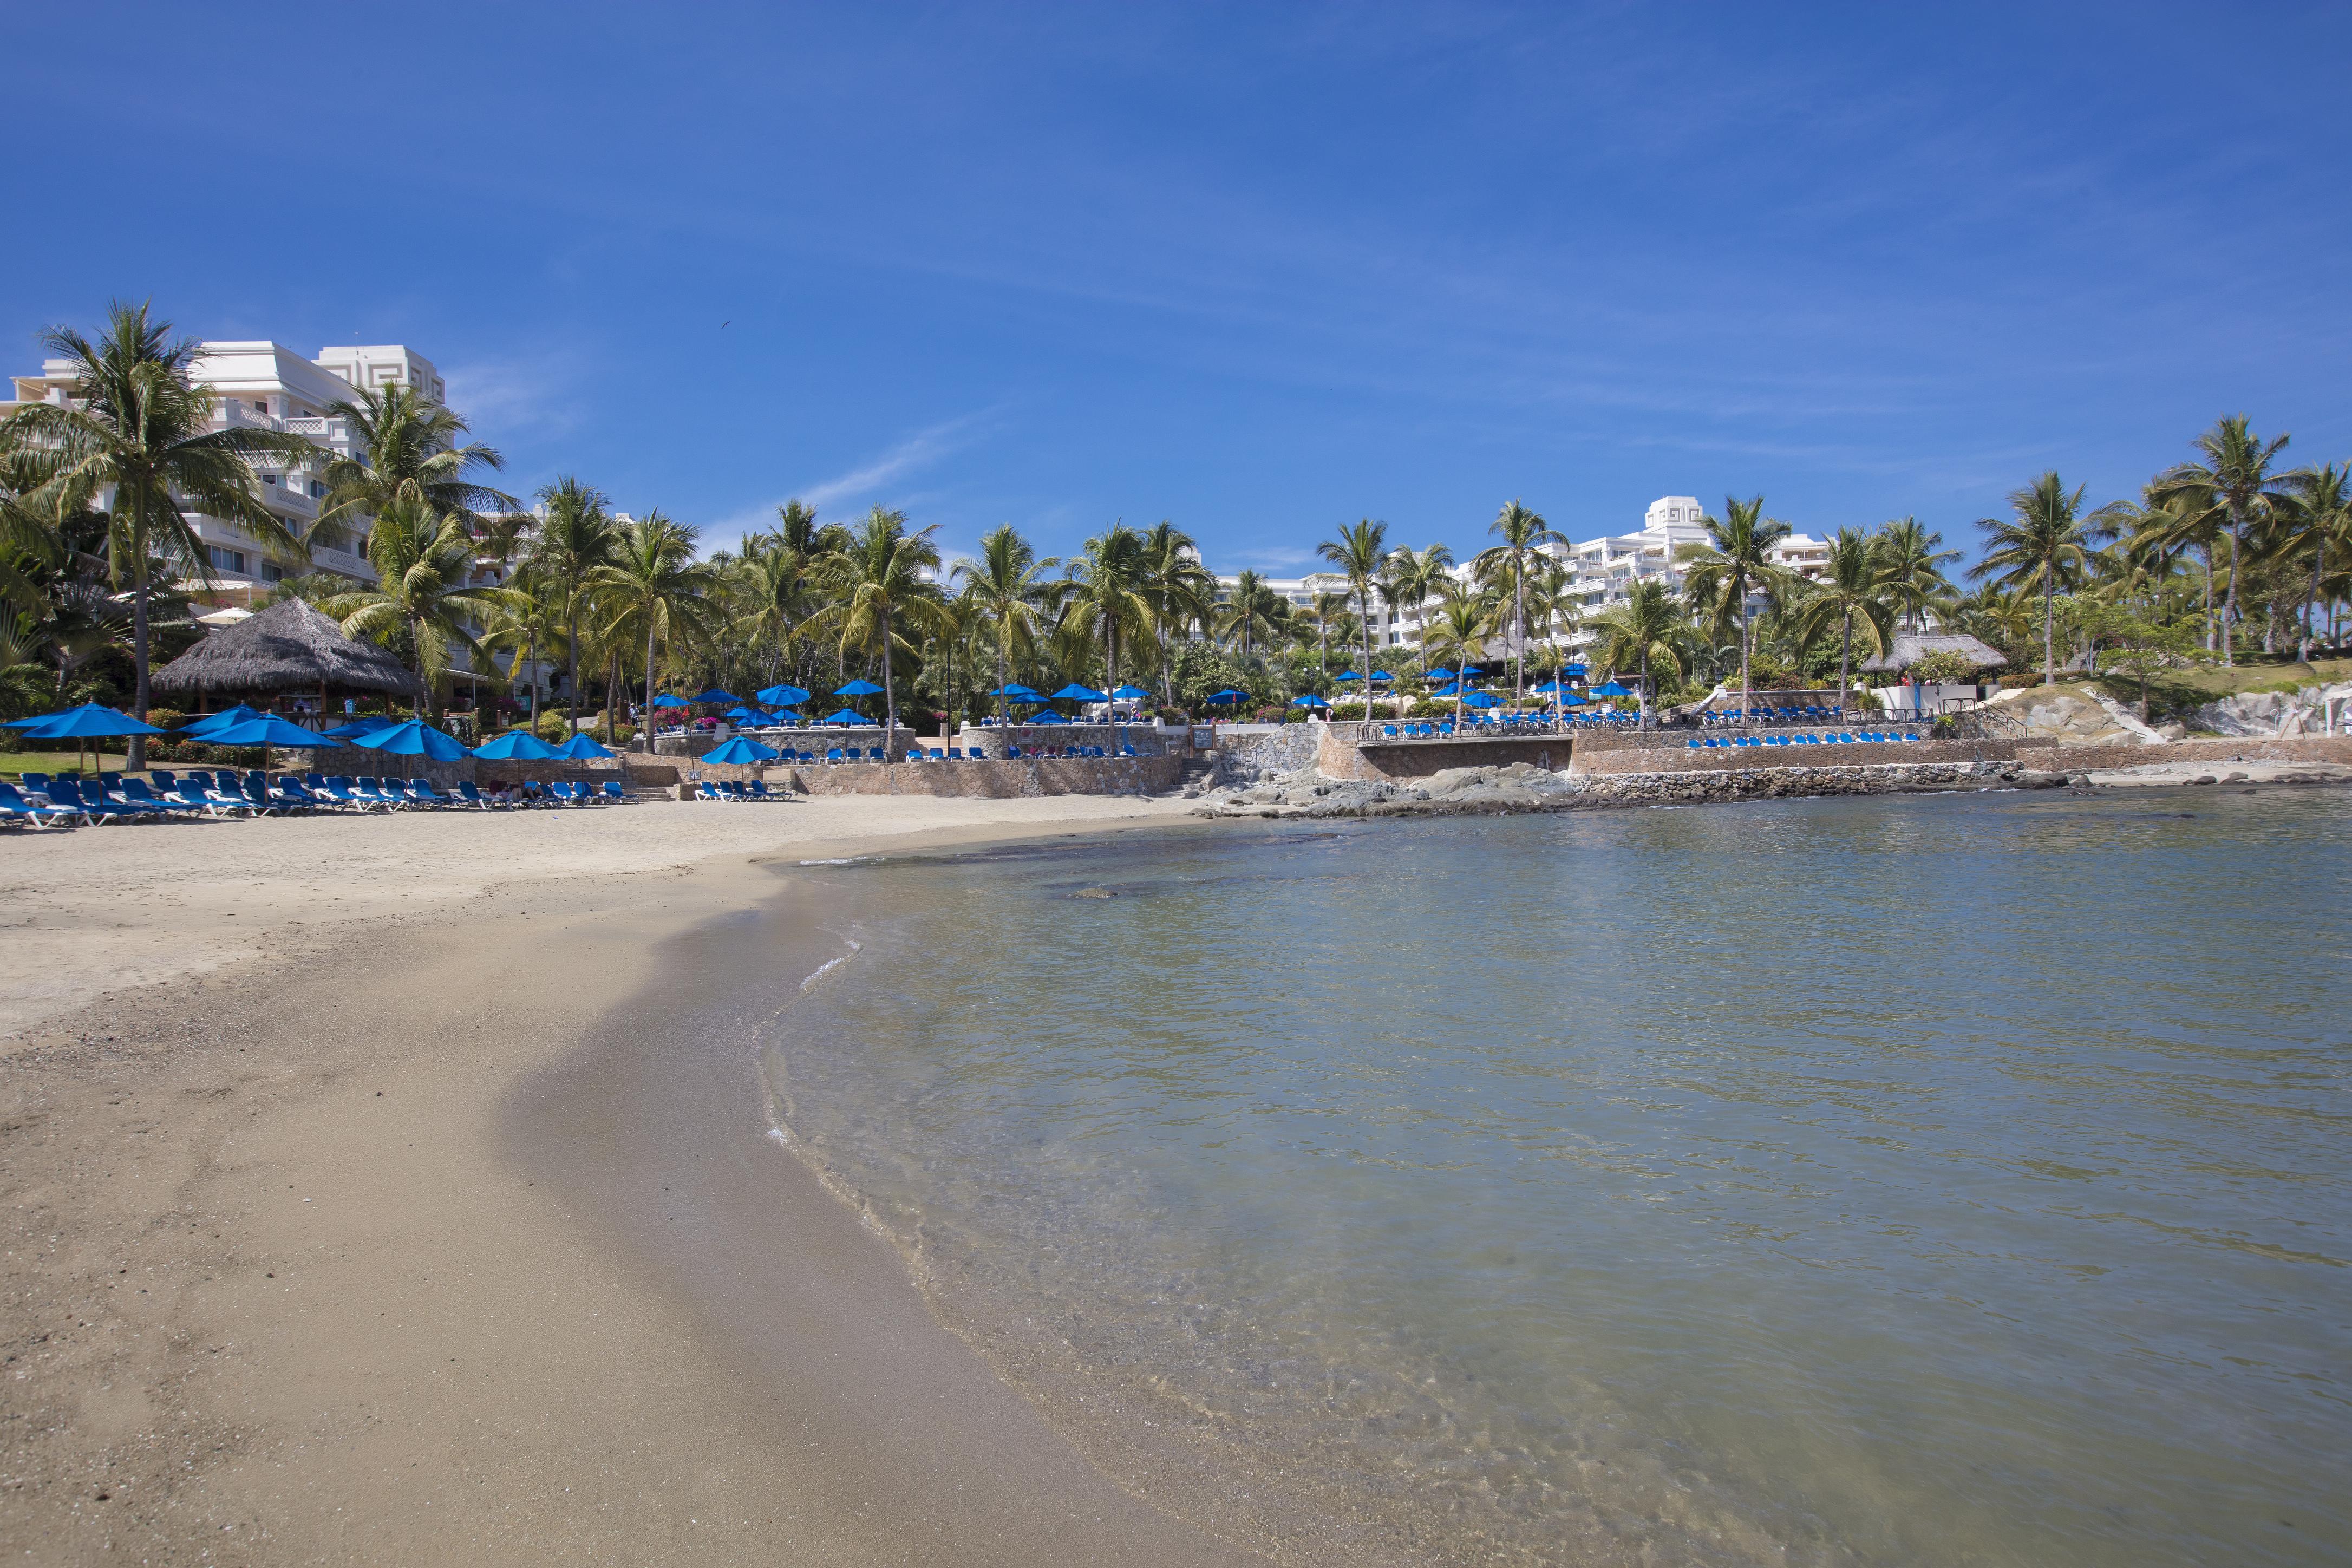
column 833, row 754
column 424, row 788
column 43, row 813
column 136, row 792
column 613, row 792
column 468, row 795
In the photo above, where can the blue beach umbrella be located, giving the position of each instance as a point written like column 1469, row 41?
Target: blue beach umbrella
column 857, row 689
column 667, row 701
column 581, row 745
column 516, row 745
column 1482, row 699
column 358, row 727
column 413, row 738
column 717, row 695
column 89, row 722
column 1228, row 694
column 740, row 750
column 1570, row 699
column 782, row 696
column 220, row 720
column 268, row 731
column 1125, row 692
column 1309, row 701
column 1573, row 670
column 849, row 716
column 1073, row 692
column 1611, row 688
column 1048, row 717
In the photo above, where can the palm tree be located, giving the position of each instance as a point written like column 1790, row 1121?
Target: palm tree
column 797, row 529
column 137, row 429
column 2316, row 518
column 1181, row 590
column 1252, row 612
column 1522, row 532
column 653, row 591
column 1911, row 567
column 2170, row 517
column 1855, row 583
column 2235, row 479
column 577, row 536
column 1735, row 562
column 1326, row 610
column 409, row 449
column 1642, row 630
column 1410, row 578
column 423, row 560
column 1464, row 622
column 1360, row 553
column 525, row 626
column 1109, row 587
column 2043, row 548
column 774, row 593
column 1007, row 583
column 1555, row 609
column 880, row 586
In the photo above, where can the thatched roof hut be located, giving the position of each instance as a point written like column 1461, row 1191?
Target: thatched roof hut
column 290, row 647
column 1909, row 648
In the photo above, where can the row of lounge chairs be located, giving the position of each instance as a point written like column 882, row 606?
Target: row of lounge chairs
column 42, row 801
column 1846, row 738
column 1782, row 715
column 733, row 790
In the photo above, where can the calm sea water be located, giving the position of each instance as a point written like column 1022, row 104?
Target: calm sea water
column 1950, row 1180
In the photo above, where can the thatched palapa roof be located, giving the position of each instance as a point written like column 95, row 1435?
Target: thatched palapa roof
column 290, row 647
column 1909, row 648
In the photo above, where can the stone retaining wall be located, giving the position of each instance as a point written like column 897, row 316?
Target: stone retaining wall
column 2124, row 754
column 1600, row 763
column 993, row 779
column 1383, row 761
column 1706, row 785
column 1146, row 740
column 1292, row 746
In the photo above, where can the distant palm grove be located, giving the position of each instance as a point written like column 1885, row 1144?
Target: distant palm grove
column 2229, row 555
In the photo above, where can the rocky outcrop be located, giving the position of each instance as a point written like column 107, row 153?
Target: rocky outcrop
column 2269, row 714
column 2055, row 713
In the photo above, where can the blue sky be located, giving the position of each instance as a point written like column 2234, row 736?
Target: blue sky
column 1261, row 269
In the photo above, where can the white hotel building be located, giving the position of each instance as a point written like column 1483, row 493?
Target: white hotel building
column 268, row 386
column 1605, row 571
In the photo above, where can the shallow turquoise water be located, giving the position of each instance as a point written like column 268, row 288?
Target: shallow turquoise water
column 1932, row 1180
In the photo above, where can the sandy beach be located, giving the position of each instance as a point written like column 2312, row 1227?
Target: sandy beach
column 326, row 1223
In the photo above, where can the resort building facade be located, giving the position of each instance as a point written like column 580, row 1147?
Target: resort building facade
column 1602, row 574
column 268, row 386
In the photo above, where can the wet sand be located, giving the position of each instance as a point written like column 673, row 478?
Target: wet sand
column 358, row 1251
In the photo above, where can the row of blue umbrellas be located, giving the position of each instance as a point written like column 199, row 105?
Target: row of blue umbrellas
column 245, row 726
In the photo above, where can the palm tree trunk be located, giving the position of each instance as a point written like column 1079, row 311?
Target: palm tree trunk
column 890, row 693
column 1003, row 634
column 531, row 663
column 1364, row 612
column 572, row 666
column 1746, row 692
column 1845, row 657
column 137, row 755
column 649, row 690
column 1520, row 622
column 2049, row 632
column 2304, row 616
column 2230, row 608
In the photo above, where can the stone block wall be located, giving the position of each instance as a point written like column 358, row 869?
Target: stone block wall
column 1677, row 758
column 1384, row 761
column 993, row 779
column 1142, row 737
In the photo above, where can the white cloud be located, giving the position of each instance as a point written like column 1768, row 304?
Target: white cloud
column 497, row 395
column 865, row 484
